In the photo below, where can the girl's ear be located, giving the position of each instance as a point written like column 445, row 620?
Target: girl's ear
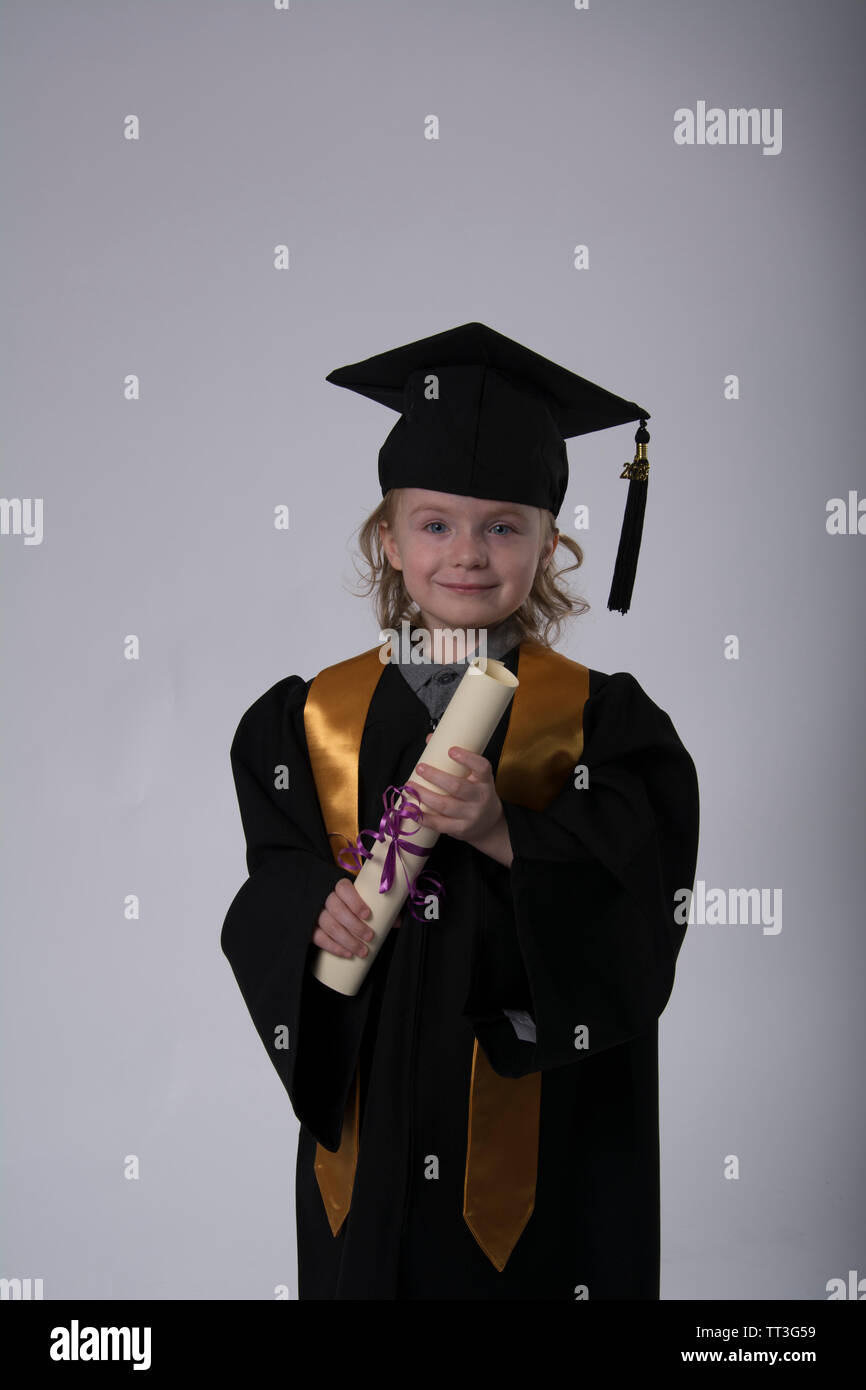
column 545, row 554
column 555, row 540
column 389, row 545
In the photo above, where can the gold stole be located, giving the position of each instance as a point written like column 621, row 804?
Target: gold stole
column 543, row 742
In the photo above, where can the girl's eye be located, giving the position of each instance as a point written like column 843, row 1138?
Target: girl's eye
column 503, row 524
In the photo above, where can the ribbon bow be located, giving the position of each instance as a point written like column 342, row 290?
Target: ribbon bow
column 400, row 804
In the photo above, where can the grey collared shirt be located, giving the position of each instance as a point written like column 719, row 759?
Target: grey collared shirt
column 434, row 683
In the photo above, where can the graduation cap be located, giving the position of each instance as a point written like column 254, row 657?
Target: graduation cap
column 483, row 416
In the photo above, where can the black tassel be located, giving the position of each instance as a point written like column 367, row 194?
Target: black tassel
column 625, row 568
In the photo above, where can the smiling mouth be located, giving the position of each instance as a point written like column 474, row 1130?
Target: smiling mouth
column 470, row 588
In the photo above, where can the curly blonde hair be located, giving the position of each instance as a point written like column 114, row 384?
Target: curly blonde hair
column 539, row 617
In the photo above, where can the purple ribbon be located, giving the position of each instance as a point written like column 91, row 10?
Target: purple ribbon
column 398, row 802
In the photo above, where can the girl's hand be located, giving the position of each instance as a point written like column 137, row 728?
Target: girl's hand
column 467, row 808
column 341, row 927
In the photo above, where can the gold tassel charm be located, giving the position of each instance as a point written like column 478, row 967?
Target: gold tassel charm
column 639, row 466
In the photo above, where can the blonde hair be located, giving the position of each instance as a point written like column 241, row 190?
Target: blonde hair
column 539, row 617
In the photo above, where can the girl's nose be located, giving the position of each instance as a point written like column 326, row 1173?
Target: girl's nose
column 468, row 550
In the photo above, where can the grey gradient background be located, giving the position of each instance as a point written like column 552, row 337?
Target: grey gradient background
column 155, row 257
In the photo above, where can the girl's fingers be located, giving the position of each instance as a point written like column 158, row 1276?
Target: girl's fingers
column 342, row 913
column 346, row 890
column 339, row 922
column 340, row 928
column 327, row 943
column 337, row 938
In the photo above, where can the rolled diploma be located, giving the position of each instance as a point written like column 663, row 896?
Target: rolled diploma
column 472, row 714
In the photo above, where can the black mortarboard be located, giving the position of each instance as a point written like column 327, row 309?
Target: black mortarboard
column 483, row 416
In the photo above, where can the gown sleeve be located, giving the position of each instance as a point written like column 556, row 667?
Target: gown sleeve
column 311, row 1033
column 589, row 895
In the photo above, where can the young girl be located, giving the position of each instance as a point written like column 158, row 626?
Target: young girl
column 481, row 1120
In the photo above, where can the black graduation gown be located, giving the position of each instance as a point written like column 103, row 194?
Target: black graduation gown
column 579, row 930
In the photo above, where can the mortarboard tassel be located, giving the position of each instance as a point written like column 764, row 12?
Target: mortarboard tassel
column 637, row 472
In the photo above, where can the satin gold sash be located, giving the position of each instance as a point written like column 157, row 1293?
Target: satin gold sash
column 543, row 742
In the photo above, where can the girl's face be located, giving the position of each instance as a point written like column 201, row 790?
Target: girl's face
column 466, row 562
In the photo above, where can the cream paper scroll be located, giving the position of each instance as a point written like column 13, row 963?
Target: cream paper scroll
column 470, row 718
